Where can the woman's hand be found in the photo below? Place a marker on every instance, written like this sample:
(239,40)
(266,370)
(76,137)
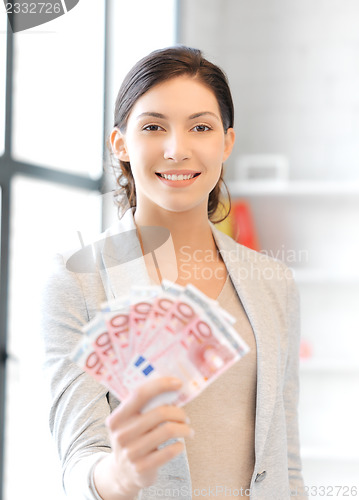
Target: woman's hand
(135,438)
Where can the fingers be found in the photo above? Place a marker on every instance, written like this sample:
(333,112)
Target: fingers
(146,468)
(144,423)
(140,397)
(149,442)
(156,459)
(135,436)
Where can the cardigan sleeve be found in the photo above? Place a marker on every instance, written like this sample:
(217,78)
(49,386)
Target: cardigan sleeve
(79,405)
(291,390)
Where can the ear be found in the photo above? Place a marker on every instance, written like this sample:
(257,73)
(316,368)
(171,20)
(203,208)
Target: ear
(229,138)
(118,144)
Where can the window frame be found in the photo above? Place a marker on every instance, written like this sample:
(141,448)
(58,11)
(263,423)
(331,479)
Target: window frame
(9,169)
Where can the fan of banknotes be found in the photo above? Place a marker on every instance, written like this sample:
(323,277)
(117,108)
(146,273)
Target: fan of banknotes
(158,331)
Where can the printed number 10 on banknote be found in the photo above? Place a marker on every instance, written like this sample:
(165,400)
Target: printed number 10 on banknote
(156,332)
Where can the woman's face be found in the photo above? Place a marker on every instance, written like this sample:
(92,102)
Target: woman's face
(176,145)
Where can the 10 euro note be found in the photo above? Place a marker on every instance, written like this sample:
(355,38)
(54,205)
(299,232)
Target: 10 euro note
(169,331)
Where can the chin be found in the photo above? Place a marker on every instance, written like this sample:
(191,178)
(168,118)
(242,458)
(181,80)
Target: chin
(175,203)
(183,207)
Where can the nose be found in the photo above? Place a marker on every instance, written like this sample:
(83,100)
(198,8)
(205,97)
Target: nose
(176,147)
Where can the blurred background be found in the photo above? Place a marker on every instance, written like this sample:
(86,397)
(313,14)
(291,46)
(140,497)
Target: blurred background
(293,177)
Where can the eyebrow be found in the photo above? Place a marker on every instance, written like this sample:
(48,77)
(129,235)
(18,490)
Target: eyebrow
(164,117)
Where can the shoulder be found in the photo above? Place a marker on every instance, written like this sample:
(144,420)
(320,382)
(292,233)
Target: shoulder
(82,276)
(75,273)
(268,279)
(235,252)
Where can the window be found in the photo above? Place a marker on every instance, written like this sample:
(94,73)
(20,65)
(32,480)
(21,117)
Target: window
(42,223)
(64,77)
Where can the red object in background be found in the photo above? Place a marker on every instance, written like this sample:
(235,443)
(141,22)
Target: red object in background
(244,229)
(306,349)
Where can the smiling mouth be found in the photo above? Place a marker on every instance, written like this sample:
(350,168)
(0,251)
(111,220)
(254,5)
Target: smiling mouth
(175,177)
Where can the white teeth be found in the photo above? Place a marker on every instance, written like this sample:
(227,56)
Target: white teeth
(175,177)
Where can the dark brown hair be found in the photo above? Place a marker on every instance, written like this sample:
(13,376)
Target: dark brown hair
(157,67)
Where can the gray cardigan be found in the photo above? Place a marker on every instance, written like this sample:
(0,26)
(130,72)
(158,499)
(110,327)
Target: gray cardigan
(80,405)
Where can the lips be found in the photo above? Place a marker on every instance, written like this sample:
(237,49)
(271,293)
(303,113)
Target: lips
(178,178)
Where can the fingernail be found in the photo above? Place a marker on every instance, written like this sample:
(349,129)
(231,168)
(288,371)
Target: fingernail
(188,420)
(191,433)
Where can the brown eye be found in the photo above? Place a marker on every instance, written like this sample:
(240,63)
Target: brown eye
(152,128)
(201,128)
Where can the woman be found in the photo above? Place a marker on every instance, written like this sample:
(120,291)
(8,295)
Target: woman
(173,131)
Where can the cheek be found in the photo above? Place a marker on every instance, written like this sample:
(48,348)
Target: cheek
(214,161)
(213,157)
(214,149)
(142,153)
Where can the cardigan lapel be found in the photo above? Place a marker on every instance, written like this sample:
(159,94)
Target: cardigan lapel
(247,279)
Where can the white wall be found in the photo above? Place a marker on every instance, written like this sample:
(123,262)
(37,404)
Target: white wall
(294,70)
(293,66)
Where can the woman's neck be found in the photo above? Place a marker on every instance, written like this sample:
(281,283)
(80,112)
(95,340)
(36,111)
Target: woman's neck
(189,256)
(190,229)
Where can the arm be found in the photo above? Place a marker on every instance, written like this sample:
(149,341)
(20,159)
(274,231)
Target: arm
(114,460)
(79,404)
